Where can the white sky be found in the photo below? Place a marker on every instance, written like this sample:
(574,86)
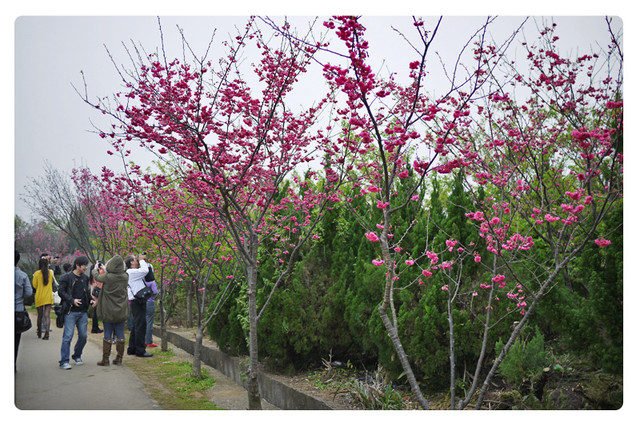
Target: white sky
(50,42)
(53,123)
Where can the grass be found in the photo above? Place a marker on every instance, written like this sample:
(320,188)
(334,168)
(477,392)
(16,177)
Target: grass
(170,381)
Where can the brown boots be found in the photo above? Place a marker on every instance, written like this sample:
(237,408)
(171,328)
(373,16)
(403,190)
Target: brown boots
(106,352)
(119,351)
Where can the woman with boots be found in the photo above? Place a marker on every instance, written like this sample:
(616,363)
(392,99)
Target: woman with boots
(43,284)
(113,307)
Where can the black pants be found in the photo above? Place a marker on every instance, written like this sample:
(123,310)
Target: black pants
(136,338)
(17,344)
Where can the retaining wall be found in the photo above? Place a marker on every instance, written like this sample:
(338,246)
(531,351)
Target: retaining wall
(271,389)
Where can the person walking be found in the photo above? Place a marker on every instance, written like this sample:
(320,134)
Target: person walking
(22,288)
(137,269)
(75,294)
(150,281)
(43,284)
(112,307)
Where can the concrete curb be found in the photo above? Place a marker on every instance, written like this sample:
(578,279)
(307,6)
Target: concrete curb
(272,390)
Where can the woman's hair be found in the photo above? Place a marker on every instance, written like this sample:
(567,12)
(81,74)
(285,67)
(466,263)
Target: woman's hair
(91,279)
(43,266)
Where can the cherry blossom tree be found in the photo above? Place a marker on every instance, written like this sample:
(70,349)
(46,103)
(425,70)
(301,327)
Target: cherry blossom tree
(543,184)
(551,166)
(181,230)
(232,148)
(103,211)
(393,132)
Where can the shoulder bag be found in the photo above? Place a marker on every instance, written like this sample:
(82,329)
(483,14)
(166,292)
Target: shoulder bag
(23,322)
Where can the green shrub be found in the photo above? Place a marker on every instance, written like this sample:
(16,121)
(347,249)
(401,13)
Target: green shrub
(524,359)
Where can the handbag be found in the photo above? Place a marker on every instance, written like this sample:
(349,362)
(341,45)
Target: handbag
(56,298)
(23,322)
(96,292)
(61,311)
(144,294)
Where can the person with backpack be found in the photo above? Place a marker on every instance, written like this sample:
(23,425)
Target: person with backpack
(76,298)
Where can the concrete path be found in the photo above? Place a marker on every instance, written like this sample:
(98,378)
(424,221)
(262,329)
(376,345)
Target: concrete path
(41,384)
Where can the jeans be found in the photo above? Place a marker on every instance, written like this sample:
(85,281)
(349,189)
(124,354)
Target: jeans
(113,330)
(72,320)
(136,337)
(151,310)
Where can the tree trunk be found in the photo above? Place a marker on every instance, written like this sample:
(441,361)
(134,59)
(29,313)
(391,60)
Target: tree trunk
(506,348)
(252,375)
(390,326)
(197,347)
(190,306)
(163,326)
(452,361)
(483,350)
(404,360)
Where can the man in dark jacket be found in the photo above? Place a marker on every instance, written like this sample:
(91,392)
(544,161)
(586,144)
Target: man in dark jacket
(75,294)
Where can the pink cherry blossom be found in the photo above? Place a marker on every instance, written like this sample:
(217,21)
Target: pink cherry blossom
(551,218)
(602,242)
(373,237)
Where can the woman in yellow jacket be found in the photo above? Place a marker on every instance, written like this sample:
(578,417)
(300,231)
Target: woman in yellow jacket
(43,284)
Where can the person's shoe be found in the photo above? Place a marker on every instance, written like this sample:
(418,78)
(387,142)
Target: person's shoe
(65,366)
(145,354)
(106,352)
(119,351)
(130,351)
(152,345)
(78,361)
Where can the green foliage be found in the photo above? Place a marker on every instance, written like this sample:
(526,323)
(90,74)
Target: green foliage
(524,359)
(329,302)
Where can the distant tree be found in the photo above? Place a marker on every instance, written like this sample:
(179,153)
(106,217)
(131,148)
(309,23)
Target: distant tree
(54,198)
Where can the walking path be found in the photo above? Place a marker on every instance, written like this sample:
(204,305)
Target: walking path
(41,384)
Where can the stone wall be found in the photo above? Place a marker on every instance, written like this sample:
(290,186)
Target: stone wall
(271,389)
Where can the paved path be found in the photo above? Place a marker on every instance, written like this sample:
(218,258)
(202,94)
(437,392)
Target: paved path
(41,384)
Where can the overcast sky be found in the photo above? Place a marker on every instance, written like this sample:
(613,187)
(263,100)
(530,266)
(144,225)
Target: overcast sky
(52,122)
